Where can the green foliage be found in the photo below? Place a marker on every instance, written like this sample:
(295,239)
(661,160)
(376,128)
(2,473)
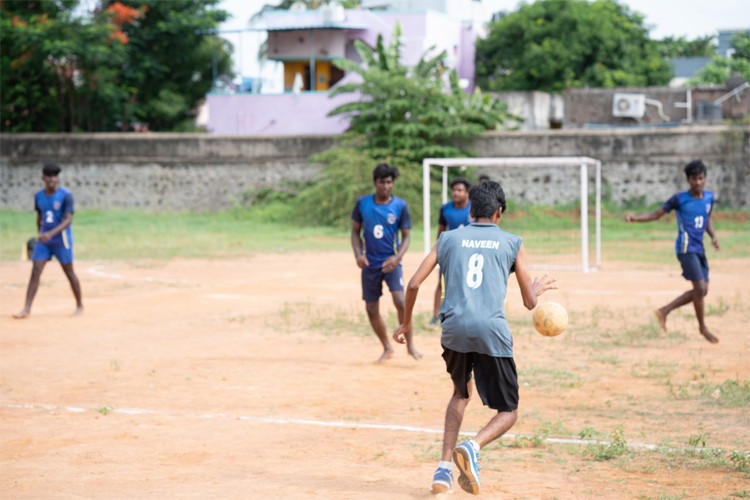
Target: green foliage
(411,112)
(721,67)
(682,47)
(552,45)
(616,447)
(347,175)
(402,116)
(62,70)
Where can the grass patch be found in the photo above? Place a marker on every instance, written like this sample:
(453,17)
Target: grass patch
(548,378)
(269,227)
(732,393)
(616,447)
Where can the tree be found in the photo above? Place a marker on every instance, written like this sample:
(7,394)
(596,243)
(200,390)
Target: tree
(63,70)
(670,47)
(552,45)
(721,68)
(401,116)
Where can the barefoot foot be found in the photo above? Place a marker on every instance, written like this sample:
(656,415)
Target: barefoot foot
(709,336)
(78,311)
(662,319)
(22,315)
(387,354)
(414,353)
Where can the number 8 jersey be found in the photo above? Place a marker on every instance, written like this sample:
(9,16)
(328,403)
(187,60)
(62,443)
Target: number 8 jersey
(51,209)
(476,261)
(692,218)
(380,225)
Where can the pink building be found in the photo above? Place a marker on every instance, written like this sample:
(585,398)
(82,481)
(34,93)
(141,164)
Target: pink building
(307,42)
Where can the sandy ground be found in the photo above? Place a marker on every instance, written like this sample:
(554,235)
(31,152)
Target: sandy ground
(254,378)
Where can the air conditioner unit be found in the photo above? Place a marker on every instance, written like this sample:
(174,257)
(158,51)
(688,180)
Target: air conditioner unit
(629,105)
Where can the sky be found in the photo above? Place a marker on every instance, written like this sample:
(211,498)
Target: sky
(688,18)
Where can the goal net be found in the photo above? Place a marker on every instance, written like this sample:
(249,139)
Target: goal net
(556,238)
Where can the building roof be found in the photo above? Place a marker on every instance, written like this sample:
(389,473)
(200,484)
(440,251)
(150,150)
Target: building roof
(287,20)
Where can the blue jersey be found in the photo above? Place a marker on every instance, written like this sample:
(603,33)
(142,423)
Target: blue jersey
(51,209)
(381,224)
(692,218)
(453,218)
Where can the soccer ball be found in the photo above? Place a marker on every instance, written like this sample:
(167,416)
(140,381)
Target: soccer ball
(550,319)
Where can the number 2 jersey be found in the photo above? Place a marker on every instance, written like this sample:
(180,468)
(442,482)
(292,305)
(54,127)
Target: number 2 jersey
(381,224)
(692,218)
(476,261)
(51,209)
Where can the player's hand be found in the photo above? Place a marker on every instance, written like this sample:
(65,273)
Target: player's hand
(541,285)
(399,334)
(715,242)
(629,217)
(44,237)
(362,261)
(390,264)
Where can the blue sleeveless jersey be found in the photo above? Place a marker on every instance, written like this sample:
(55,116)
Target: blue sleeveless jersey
(51,208)
(453,218)
(381,224)
(476,261)
(692,218)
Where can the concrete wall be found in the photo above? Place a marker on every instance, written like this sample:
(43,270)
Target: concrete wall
(594,106)
(200,172)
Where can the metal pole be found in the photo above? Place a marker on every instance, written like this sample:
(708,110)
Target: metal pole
(584,218)
(598,213)
(444,192)
(426,204)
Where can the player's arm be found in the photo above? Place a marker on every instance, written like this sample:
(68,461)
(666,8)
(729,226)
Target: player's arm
(441,230)
(712,234)
(412,290)
(38,221)
(645,217)
(358,246)
(530,289)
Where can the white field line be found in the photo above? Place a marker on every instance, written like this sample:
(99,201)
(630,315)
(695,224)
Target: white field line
(339,425)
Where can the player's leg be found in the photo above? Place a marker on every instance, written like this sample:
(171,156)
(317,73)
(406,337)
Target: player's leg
(692,270)
(75,285)
(700,290)
(33,287)
(497,385)
(459,366)
(372,289)
(395,281)
(64,253)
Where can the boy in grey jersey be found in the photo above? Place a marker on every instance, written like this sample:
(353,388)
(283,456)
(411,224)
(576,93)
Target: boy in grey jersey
(476,261)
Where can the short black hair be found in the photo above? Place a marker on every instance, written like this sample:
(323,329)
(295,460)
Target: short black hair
(696,167)
(461,180)
(51,170)
(484,178)
(384,170)
(486,198)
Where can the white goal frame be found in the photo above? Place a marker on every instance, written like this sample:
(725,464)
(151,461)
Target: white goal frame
(522,161)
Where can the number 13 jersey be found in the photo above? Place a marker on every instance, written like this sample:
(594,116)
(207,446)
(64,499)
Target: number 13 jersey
(476,261)
(692,218)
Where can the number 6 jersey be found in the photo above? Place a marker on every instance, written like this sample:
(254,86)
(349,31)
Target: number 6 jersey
(692,218)
(380,225)
(476,261)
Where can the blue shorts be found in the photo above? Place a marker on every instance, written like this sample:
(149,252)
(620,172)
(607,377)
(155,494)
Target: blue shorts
(694,266)
(372,282)
(61,248)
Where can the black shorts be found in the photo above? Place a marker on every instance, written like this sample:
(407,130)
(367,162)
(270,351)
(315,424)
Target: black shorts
(694,266)
(496,378)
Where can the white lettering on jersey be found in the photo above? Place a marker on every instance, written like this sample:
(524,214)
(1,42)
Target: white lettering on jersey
(494,245)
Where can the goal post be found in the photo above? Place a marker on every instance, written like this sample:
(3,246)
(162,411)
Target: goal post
(581,162)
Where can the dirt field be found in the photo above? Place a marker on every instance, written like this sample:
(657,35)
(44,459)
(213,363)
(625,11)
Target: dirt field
(254,379)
